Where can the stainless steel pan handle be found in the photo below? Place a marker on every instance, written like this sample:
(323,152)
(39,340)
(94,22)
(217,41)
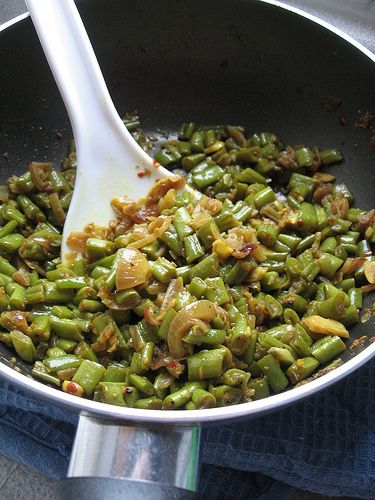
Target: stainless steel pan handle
(157,459)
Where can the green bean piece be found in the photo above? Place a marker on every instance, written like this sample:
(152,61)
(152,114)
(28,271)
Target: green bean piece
(282,355)
(260,388)
(267,234)
(301,369)
(140,308)
(234,377)
(273,307)
(350,316)
(111,393)
(290,240)
(226,395)
(206,268)
(327,348)
(105,262)
(88,375)
(216,291)
(162,383)
(197,141)
(310,271)
(141,361)
(329,245)
(263,197)
(206,364)
(197,287)
(53,295)
(249,175)
(30,209)
(97,249)
(57,363)
(17,299)
(40,329)
(165,157)
(11,242)
(305,243)
(151,403)
(93,306)
(6,268)
(192,160)
(299,343)
(183,148)
(270,281)
(62,312)
(71,283)
(332,307)
(164,326)
(116,372)
(183,299)
(99,271)
(329,264)
(329,156)
(208,176)
(142,384)
(180,219)
(66,328)
(206,232)
(84,351)
(211,337)
(23,345)
(270,368)
(66,345)
(12,213)
(163,270)
(193,248)
(180,397)
(240,336)
(355,297)
(170,238)
(128,298)
(41,372)
(203,399)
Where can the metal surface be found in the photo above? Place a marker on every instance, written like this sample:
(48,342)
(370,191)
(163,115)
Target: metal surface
(167,456)
(253,63)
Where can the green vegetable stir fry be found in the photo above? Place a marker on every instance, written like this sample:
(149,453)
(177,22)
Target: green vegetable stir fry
(186,303)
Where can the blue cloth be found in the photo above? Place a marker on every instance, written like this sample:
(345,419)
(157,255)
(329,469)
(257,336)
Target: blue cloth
(325,443)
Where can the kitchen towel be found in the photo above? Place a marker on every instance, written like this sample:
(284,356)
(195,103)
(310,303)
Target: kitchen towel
(325,443)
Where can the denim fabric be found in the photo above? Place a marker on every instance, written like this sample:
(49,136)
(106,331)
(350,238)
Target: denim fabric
(324,444)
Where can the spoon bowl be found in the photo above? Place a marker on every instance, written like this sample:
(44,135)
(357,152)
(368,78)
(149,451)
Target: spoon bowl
(109,161)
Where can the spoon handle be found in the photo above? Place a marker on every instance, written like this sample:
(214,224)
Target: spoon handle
(74,65)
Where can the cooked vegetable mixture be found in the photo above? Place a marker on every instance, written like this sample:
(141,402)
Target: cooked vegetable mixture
(188,302)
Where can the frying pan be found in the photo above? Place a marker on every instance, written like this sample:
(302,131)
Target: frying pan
(245,61)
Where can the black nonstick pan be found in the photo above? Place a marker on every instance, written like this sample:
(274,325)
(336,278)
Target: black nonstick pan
(240,61)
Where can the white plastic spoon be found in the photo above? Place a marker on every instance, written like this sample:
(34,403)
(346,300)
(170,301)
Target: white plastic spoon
(108,158)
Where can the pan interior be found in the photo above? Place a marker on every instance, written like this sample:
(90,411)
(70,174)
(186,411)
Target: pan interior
(243,62)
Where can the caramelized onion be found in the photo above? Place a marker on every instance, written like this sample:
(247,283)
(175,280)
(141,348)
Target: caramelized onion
(56,207)
(162,186)
(351,265)
(39,175)
(132,270)
(204,310)
(77,240)
(367,218)
(164,223)
(369,270)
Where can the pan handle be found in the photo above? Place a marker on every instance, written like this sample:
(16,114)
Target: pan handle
(102,488)
(159,458)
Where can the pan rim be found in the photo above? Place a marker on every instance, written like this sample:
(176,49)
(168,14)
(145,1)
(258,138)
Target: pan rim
(330,27)
(214,415)
(188,417)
